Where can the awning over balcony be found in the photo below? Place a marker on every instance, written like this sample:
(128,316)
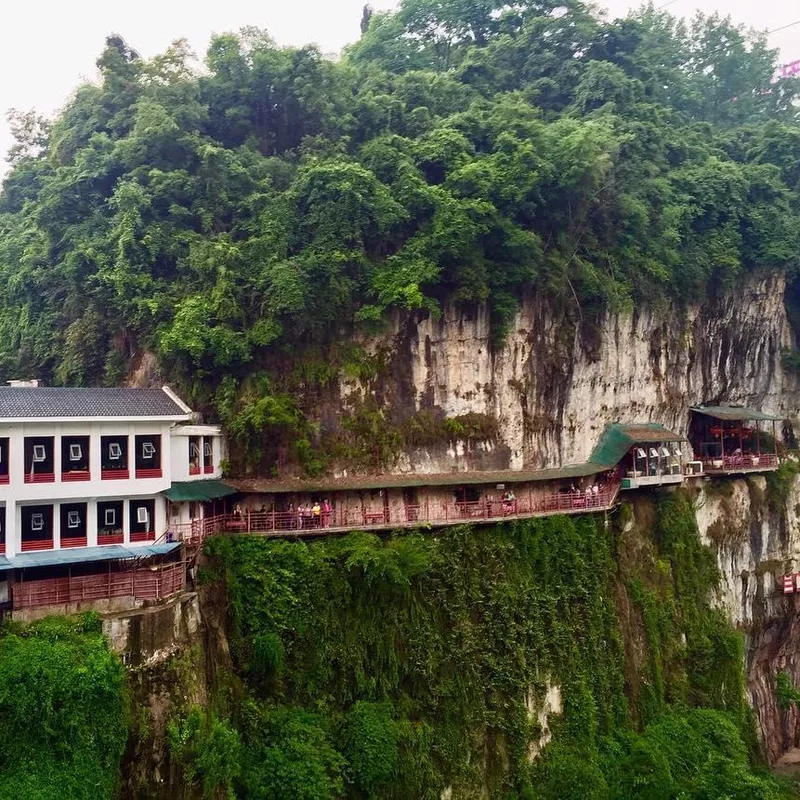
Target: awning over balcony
(83,555)
(618,439)
(734,413)
(198,491)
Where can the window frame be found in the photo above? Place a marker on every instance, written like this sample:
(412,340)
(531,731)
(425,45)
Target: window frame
(73,519)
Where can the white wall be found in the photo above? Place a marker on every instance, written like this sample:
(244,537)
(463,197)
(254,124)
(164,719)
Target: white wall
(18,493)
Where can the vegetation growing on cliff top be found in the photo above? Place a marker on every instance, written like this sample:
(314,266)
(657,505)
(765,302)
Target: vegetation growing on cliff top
(63,711)
(228,220)
(398,668)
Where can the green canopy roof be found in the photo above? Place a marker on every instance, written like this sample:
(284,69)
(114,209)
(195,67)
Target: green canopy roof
(617,440)
(734,413)
(198,491)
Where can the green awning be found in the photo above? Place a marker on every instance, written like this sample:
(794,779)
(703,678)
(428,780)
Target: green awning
(735,413)
(198,491)
(617,440)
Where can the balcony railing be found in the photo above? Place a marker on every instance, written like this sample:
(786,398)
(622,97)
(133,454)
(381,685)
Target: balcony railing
(110,538)
(194,469)
(340,519)
(76,475)
(143,536)
(741,462)
(149,473)
(141,584)
(2,548)
(4,479)
(208,469)
(40,477)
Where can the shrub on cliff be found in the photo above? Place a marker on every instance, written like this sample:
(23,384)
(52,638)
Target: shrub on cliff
(63,711)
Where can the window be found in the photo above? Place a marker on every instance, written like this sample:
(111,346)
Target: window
(141,515)
(114,451)
(39,453)
(37,522)
(207,449)
(665,452)
(110,517)
(194,450)
(75,452)
(677,450)
(148,450)
(640,453)
(653,452)
(73,519)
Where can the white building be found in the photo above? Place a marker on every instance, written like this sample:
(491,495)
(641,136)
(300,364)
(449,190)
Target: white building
(92,467)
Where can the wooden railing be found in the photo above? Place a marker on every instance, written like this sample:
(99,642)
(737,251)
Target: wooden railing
(142,584)
(736,462)
(408,516)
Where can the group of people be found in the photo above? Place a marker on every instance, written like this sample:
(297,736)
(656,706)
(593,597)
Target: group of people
(311,515)
(305,516)
(509,501)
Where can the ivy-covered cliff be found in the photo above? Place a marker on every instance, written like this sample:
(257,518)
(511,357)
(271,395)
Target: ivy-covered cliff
(550,659)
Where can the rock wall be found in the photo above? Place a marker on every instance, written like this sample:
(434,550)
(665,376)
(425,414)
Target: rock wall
(558,380)
(755,533)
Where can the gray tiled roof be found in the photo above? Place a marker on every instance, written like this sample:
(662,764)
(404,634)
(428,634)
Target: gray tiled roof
(45,402)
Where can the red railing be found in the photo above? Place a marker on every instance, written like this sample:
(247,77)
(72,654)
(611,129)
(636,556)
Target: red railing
(115,474)
(41,477)
(36,544)
(341,518)
(143,536)
(76,475)
(5,478)
(208,469)
(149,473)
(74,541)
(110,538)
(733,463)
(194,469)
(2,548)
(142,584)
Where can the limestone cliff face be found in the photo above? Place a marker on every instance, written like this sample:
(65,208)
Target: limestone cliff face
(756,537)
(556,381)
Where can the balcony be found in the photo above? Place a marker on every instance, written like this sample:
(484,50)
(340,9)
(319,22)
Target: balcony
(149,473)
(115,474)
(41,477)
(76,475)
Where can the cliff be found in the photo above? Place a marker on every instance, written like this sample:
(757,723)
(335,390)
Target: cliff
(557,380)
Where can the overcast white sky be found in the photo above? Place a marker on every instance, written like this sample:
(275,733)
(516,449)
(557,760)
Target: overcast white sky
(48,47)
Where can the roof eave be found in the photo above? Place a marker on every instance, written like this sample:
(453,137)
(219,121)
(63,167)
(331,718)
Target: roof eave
(88,419)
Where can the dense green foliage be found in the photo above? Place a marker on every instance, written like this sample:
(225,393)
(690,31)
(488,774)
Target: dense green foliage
(239,221)
(63,713)
(399,667)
